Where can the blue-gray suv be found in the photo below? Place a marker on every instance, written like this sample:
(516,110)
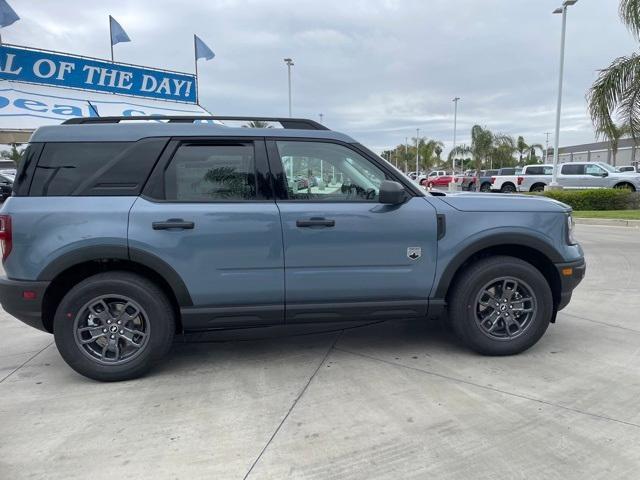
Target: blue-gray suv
(121,234)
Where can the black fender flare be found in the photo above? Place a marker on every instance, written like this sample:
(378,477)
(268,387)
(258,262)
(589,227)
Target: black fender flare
(120,252)
(496,239)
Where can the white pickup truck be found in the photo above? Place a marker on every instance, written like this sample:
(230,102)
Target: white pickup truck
(577,175)
(506,181)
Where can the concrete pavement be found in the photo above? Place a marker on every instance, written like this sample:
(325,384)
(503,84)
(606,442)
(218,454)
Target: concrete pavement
(391,400)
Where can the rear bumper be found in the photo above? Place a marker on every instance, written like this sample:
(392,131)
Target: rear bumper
(571,274)
(14,302)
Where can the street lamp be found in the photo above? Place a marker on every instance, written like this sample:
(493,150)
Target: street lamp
(455,131)
(563,11)
(289,63)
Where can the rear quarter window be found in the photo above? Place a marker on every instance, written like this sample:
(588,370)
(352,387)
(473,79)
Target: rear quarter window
(95,168)
(63,166)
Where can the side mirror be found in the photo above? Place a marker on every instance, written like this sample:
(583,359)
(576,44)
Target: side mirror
(605,174)
(392,193)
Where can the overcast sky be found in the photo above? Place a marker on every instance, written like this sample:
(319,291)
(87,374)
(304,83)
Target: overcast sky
(376,69)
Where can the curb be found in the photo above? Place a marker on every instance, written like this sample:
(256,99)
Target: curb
(611,222)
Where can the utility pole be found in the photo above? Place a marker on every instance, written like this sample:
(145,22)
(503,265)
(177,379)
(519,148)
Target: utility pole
(455,132)
(321,117)
(406,154)
(546,150)
(289,63)
(417,155)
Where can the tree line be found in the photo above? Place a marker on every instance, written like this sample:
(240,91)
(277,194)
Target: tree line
(487,150)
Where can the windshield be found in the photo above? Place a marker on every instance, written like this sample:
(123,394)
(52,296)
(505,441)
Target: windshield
(608,167)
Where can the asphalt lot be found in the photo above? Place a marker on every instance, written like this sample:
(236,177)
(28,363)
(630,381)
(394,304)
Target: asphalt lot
(393,400)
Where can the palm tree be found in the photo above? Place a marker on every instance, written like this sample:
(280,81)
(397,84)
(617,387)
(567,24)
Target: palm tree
(521,147)
(532,152)
(257,124)
(616,91)
(14,154)
(614,133)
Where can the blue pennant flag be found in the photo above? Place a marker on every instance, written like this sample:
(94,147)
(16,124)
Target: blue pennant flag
(7,15)
(117,32)
(202,51)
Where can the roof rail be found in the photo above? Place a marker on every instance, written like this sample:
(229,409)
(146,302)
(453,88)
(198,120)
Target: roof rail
(288,123)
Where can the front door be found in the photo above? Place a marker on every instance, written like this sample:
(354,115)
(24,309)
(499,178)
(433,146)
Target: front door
(208,213)
(347,256)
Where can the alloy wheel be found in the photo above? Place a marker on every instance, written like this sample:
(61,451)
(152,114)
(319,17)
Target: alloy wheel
(505,308)
(111,329)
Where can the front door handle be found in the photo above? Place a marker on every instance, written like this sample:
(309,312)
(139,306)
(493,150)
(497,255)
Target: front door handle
(315,222)
(177,223)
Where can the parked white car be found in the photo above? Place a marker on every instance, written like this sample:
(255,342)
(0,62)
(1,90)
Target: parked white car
(579,175)
(506,181)
(629,168)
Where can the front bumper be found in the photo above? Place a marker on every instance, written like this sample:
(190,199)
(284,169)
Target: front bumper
(28,310)
(571,274)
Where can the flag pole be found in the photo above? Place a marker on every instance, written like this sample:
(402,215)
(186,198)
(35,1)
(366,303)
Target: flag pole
(111,39)
(195,61)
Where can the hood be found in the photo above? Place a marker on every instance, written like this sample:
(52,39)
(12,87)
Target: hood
(498,202)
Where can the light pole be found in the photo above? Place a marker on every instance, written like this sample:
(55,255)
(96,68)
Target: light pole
(289,63)
(417,156)
(321,115)
(455,132)
(563,11)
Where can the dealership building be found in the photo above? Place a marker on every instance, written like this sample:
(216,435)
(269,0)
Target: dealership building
(628,153)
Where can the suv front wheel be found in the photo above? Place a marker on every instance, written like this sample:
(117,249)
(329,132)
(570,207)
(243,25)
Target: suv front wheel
(114,326)
(501,306)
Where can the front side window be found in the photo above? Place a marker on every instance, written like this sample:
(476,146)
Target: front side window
(595,170)
(209,173)
(328,172)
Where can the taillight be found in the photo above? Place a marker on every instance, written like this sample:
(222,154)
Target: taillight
(6,237)
(520,179)
(493,180)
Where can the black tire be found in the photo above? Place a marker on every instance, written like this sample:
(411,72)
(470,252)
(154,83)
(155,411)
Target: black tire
(155,313)
(508,188)
(485,187)
(625,185)
(472,187)
(538,187)
(463,305)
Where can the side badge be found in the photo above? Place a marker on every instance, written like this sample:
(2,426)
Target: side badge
(414,253)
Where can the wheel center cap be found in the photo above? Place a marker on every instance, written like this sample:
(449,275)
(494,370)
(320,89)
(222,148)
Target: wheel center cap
(503,307)
(113,328)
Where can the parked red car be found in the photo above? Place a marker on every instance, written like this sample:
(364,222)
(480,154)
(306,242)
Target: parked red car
(439,180)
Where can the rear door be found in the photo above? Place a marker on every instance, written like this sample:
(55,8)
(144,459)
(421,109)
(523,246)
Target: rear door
(572,175)
(347,256)
(209,213)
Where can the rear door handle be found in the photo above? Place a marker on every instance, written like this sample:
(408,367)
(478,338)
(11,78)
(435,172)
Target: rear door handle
(315,222)
(177,223)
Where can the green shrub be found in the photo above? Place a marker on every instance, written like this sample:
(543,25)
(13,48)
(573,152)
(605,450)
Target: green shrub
(595,199)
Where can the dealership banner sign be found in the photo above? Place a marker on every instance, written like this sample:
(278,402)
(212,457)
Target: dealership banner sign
(21,64)
(29,106)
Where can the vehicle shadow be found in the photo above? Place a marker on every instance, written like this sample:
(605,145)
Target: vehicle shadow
(272,345)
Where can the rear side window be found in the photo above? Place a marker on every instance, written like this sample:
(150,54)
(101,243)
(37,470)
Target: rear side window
(539,170)
(209,173)
(508,171)
(64,166)
(573,169)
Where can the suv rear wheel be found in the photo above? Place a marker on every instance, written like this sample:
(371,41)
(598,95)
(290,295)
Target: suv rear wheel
(114,326)
(501,306)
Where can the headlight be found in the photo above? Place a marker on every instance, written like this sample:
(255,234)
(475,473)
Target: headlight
(570,227)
